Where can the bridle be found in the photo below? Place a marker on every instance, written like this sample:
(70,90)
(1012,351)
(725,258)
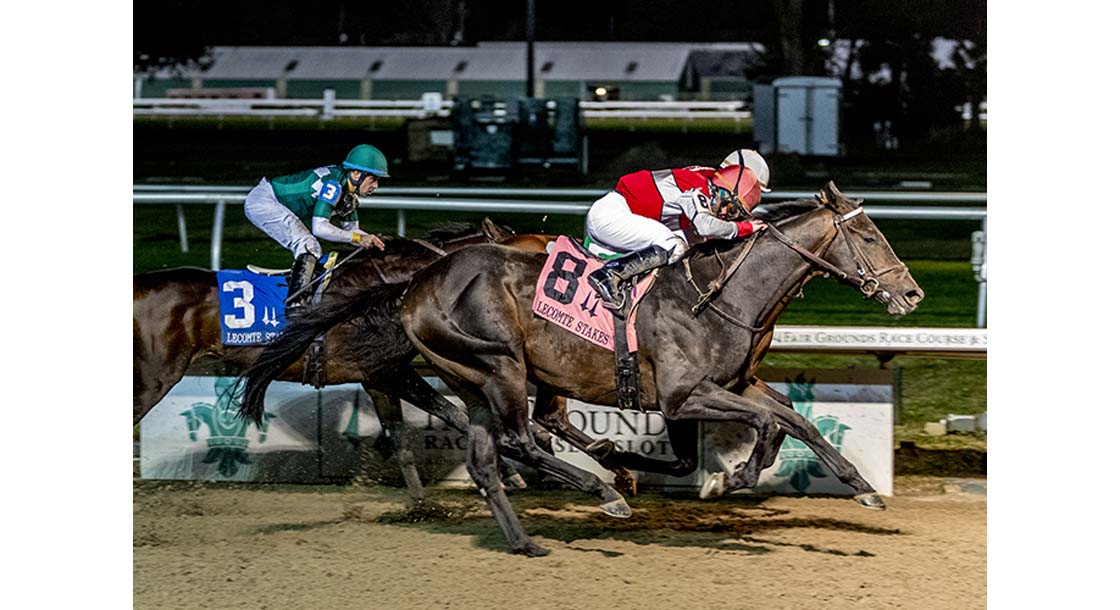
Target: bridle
(866,278)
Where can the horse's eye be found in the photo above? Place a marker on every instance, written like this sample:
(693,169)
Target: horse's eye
(869,239)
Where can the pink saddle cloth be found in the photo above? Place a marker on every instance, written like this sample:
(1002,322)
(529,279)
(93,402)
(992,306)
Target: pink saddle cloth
(565,298)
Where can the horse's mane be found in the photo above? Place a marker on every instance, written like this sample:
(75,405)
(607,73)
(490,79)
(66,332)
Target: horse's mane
(451,230)
(439,237)
(777,212)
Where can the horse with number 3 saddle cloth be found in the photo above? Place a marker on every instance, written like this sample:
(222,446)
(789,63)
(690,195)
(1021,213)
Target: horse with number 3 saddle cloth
(564,297)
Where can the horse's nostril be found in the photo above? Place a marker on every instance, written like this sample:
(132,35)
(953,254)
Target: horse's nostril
(914,295)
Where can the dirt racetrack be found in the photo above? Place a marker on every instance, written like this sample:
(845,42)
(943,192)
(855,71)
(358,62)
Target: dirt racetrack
(277,547)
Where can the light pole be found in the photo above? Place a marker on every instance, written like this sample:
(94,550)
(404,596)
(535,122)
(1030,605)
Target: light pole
(530,33)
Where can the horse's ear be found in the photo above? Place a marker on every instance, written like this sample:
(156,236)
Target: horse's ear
(831,196)
(827,195)
(493,232)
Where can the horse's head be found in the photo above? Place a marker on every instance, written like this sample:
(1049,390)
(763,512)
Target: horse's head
(861,251)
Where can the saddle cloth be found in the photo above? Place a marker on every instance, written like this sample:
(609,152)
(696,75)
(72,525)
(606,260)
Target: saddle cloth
(565,298)
(251,306)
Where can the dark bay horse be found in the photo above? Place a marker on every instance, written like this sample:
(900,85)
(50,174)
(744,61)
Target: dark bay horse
(175,322)
(470,315)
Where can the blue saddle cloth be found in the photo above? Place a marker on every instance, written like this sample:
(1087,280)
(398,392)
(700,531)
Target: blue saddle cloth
(252,306)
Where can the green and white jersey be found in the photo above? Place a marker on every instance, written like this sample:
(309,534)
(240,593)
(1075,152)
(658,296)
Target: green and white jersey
(316,193)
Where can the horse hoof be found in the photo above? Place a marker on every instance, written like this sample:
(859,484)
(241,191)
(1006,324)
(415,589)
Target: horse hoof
(625,483)
(871,500)
(714,486)
(617,508)
(514,481)
(600,449)
(530,550)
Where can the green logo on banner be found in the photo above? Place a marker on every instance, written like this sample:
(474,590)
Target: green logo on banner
(799,463)
(227,444)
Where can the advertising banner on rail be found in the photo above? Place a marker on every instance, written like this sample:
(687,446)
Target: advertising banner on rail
(334,434)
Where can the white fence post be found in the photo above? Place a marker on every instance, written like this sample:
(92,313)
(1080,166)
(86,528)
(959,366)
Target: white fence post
(328,104)
(980,269)
(182,218)
(216,235)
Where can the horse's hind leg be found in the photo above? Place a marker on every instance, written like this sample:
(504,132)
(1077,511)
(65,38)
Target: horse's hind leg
(506,393)
(404,382)
(394,431)
(482,465)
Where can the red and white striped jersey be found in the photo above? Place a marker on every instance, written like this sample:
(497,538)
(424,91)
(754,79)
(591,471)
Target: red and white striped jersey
(664,196)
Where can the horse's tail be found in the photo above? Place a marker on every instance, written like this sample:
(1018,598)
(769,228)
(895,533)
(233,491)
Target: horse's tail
(379,303)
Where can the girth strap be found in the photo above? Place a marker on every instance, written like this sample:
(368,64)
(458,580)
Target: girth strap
(627,374)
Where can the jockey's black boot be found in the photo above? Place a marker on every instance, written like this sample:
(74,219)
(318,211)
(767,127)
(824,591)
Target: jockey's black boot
(610,279)
(303,271)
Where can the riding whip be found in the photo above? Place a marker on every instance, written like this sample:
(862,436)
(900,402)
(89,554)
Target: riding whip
(322,275)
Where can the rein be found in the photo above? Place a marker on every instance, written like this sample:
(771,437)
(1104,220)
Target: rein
(427,244)
(717,284)
(440,251)
(869,286)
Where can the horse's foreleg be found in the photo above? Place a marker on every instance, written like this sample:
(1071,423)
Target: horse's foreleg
(506,393)
(406,383)
(769,451)
(551,412)
(682,438)
(708,401)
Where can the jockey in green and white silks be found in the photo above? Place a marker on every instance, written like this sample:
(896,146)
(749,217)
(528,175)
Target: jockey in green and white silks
(299,209)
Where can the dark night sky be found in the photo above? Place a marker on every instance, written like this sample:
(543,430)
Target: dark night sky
(184,27)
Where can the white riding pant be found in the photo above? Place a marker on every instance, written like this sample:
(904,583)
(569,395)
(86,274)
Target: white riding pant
(614,229)
(278,222)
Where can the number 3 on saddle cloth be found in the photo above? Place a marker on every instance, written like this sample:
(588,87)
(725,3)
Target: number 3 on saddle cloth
(565,298)
(252,310)
(251,306)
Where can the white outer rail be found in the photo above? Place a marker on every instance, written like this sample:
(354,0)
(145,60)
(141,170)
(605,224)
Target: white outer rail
(403,199)
(329,107)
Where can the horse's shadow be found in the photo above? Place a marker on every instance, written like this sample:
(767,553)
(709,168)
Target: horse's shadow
(737,524)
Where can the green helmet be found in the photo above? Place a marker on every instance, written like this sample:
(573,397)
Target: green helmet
(366,158)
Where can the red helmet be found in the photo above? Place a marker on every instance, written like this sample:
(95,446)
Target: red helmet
(736,185)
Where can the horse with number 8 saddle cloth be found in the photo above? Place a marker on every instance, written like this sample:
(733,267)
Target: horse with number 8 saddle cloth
(564,297)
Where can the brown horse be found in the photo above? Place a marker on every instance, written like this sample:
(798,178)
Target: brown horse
(470,315)
(175,322)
